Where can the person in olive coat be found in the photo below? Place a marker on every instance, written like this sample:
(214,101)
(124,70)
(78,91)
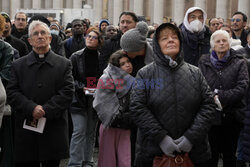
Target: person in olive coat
(41,86)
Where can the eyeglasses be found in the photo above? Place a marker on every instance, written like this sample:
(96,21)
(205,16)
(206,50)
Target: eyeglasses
(20,19)
(237,20)
(91,37)
(36,33)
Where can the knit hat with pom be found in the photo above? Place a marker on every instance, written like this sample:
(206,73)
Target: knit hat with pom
(134,40)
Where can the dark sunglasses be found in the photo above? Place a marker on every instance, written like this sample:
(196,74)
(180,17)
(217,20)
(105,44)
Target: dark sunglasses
(91,37)
(237,20)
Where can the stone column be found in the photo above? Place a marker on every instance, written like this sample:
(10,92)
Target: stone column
(48,4)
(200,3)
(111,11)
(243,6)
(77,4)
(57,4)
(36,4)
(157,11)
(14,5)
(97,6)
(27,4)
(178,11)
(137,6)
(118,7)
(221,8)
(69,4)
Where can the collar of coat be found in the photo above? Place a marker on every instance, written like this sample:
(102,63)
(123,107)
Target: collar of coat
(48,59)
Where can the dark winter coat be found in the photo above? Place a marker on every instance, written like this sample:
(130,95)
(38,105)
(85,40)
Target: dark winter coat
(73,44)
(109,47)
(172,101)
(81,101)
(18,45)
(50,84)
(56,44)
(243,37)
(195,45)
(245,52)
(17,34)
(232,83)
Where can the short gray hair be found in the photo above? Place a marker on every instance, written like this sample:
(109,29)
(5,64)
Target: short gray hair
(36,23)
(220,32)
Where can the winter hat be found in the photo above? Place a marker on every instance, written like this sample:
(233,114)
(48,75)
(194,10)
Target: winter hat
(6,16)
(134,40)
(40,18)
(55,25)
(103,21)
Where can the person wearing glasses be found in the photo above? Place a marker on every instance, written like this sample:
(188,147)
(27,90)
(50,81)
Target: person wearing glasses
(41,87)
(20,27)
(86,72)
(214,25)
(238,23)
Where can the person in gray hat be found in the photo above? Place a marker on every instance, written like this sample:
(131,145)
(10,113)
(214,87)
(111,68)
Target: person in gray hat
(135,43)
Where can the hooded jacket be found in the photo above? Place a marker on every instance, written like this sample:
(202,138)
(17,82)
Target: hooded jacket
(172,101)
(194,43)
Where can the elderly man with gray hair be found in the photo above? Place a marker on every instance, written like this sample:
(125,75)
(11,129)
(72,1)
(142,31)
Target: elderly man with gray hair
(40,88)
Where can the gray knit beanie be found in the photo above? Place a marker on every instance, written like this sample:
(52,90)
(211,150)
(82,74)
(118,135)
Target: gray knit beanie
(134,40)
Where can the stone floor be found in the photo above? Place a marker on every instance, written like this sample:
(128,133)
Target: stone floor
(64,162)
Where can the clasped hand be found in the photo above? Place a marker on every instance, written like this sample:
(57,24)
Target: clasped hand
(169,146)
(38,112)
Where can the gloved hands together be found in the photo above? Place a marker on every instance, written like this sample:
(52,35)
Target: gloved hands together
(168,146)
(183,144)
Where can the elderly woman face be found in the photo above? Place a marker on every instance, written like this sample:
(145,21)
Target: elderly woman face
(221,43)
(169,42)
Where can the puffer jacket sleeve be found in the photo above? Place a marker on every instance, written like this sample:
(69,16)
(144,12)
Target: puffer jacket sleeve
(233,95)
(141,114)
(203,120)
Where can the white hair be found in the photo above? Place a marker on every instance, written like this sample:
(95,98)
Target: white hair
(36,23)
(220,32)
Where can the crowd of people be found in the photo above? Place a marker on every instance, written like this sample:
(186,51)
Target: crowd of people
(149,90)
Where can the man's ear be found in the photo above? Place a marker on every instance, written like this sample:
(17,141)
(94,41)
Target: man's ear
(50,37)
(30,41)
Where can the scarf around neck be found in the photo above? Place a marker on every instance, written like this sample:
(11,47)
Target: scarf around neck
(219,64)
(114,84)
(192,39)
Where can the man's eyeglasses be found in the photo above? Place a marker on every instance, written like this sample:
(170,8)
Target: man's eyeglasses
(36,33)
(91,37)
(237,20)
(20,19)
